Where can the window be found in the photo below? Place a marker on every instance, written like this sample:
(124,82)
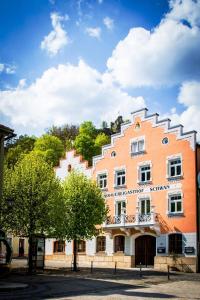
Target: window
(59,246)
(120,208)
(145,173)
(175,203)
(119,243)
(102,180)
(120,178)
(175,167)
(165,141)
(137,146)
(145,206)
(113,154)
(101,243)
(81,246)
(175,243)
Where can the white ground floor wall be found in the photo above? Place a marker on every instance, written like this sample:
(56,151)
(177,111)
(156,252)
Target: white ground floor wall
(127,258)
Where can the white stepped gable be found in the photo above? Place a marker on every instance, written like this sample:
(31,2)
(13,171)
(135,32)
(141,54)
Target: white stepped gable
(178,130)
(76,162)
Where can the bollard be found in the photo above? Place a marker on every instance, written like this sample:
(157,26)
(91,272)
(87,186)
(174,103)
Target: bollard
(140,269)
(91,269)
(168,274)
(115,271)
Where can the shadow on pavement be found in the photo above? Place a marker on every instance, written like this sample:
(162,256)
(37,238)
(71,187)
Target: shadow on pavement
(55,286)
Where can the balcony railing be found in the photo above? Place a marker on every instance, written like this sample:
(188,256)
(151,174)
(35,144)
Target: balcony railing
(131,220)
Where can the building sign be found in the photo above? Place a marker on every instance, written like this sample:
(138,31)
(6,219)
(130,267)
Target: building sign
(148,189)
(161,250)
(189,250)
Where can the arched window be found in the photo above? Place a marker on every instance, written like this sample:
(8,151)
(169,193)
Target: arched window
(101,243)
(119,243)
(175,243)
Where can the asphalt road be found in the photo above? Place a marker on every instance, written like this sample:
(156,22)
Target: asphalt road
(101,284)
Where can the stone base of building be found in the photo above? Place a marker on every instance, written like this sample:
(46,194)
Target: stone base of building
(123,261)
(183,264)
(161,263)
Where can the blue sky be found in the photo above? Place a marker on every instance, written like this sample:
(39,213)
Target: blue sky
(67,61)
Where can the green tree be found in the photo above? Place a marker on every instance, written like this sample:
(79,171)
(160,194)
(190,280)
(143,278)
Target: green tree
(101,140)
(88,128)
(50,148)
(18,148)
(32,200)
(85,208)
(85,141)
(85,145)
(66,133)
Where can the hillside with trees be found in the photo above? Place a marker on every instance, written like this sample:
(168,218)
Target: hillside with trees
(86,139)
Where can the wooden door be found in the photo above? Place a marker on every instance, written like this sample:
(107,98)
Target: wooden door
(21,247)
(145,250)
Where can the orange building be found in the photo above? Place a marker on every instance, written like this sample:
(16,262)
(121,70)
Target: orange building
(148,177)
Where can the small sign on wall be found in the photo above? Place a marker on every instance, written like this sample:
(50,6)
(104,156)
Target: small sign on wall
(161,250)
(189,250)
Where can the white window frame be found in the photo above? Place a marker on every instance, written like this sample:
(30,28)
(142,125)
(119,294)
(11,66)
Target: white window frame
(116,177)
(169,160)
(145,172)
(137,141)
(103,180)
(140,205)
(117,201)
(143,164)
(170,195)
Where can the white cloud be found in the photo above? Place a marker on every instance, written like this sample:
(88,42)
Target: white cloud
(66,94)
(7,69)
(189,97)
(185,10)
(100,1)
(108,22)
(167,55)
(57,38)
(94,32)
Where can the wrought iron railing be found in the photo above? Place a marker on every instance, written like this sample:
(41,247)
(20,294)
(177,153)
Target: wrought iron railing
(143,218)
(135,219)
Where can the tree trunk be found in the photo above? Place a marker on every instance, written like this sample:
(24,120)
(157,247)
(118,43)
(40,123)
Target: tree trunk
(30,254)
(75,256)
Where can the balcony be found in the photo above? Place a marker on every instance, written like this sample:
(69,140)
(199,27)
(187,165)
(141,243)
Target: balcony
(131,221)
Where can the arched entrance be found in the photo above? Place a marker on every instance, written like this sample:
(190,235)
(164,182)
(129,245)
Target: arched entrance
(145,250)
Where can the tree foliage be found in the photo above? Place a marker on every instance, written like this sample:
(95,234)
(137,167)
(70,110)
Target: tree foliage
(32,198)
(85,207)
(66,133)
(50,148)
(101,140)
(18,148)
(88,142)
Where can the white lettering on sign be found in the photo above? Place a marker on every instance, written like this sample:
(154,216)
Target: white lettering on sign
(149,189)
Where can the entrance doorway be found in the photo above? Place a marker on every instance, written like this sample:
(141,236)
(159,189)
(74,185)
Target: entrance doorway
(145,250)
(21,247)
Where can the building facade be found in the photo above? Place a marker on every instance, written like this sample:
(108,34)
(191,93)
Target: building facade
(148,177)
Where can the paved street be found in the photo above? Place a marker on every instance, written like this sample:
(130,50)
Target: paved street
(101,284)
